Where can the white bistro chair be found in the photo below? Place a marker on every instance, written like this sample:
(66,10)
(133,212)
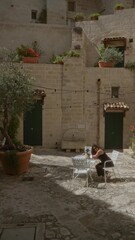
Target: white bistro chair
(114,158)
(81,166)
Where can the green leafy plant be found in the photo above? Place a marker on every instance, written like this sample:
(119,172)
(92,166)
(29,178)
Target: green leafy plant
(109,54)
(79,17)
(130,65)
(119,6)
(72,53)
(16,97)
(59,58)
(94,16)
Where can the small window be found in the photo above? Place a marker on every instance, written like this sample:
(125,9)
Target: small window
(34,14)
(115,92)
(71,6)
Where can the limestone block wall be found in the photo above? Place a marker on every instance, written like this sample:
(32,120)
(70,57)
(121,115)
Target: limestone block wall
(70,111)
(48,77)
(17,11)
(51,39)
(110,77)
(56,12)
(73,123)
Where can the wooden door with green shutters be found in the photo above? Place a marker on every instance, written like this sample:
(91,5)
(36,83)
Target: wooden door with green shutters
(32,127)
(114,130)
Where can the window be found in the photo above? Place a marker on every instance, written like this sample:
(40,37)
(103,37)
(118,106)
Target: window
(34,14)
(71,6)
(115,92)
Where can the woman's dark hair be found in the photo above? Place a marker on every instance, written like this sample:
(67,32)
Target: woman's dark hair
(94,146)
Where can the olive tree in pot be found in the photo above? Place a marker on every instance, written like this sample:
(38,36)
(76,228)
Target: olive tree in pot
(16,97)
(109,56)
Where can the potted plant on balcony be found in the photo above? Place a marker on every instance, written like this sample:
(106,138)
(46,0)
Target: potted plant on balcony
(27,54)
(119,6)
(79,17)
(16,97)
(94,16)
(109,56)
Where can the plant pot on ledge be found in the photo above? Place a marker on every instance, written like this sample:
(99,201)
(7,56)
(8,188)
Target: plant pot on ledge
(30,59)
(105,64)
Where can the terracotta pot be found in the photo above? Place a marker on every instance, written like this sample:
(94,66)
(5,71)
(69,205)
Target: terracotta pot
(30,59)
(119,8)
(105,64)
(15,163)
(94,18)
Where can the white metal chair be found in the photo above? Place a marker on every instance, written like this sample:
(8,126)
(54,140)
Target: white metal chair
(114,158)
(81,166)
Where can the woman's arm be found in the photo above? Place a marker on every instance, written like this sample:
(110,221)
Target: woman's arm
(99,152)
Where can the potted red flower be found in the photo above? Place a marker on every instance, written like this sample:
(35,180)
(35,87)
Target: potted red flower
(28,54)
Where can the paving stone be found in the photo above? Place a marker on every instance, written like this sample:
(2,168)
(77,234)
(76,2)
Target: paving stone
(18,234)
(58,207)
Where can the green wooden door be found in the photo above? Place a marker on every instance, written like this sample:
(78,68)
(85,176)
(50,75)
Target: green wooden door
(33,125)
(114,130)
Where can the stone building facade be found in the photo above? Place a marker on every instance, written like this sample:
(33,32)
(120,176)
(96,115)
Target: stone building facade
(84,104)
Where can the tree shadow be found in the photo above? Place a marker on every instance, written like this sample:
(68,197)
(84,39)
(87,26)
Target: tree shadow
(53,192)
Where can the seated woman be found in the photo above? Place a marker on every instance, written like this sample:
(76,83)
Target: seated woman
(99,153)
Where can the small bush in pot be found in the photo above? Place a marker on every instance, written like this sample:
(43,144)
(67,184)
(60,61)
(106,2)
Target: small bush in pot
(119,6)
(130,65)
(79,17)
(109,55)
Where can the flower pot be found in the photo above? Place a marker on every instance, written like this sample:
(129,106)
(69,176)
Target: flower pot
(15,163)
(94,18)
(105,64)
(30,59)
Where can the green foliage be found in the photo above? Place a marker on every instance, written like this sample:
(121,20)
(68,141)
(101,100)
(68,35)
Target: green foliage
(130,65)
(72,53)
(16,97)
(13,127)
(79,17)
(59,58)
(110,54)
(119,6)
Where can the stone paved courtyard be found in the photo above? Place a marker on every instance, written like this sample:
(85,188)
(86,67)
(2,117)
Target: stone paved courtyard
(48,195)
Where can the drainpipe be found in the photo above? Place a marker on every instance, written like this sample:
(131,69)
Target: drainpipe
(98,111)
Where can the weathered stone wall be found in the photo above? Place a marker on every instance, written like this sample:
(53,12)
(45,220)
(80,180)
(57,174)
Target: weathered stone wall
(114,25)
(56,12)
(51,39)
(70,108)
(17,11)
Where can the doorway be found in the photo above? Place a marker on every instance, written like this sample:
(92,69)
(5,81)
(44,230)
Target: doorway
(114,130)
(32,125)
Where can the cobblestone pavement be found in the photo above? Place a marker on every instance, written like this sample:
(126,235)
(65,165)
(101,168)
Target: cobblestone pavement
(47,194)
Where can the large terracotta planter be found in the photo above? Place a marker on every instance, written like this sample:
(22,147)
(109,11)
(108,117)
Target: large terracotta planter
(15,163)
(105,64)
(30,59)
